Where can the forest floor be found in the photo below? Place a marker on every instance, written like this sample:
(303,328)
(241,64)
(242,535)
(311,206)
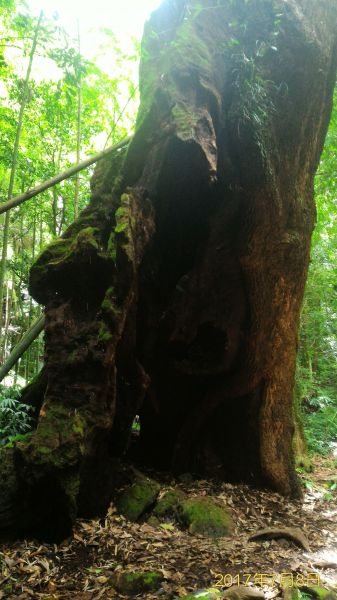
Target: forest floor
(81,568)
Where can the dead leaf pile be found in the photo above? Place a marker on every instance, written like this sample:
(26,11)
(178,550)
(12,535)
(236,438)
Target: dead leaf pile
(82,567)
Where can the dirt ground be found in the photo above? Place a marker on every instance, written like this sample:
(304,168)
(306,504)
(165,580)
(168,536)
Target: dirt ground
(81,568)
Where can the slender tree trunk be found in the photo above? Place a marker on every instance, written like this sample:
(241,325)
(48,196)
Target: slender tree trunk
(16,372)
(79,117)
(21,347)
(30,309)
(63,215)
(7,317)
(3,268)
(17,250)
(14,164)
(54,199)
(176,294)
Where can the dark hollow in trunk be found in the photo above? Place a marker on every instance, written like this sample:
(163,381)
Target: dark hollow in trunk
(176,295)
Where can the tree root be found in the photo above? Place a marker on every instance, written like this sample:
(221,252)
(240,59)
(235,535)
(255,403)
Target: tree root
(290,533)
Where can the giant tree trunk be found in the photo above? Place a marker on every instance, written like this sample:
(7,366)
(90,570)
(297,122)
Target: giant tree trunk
(176,295)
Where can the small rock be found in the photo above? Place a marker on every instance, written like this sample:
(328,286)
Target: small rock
(132,584)
(136,499)
(207,594)
(204,517)
(292,593)
(186,478)
(153,521)
(169,505)
(243,592)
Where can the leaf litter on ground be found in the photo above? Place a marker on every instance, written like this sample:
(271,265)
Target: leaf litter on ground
(82,568)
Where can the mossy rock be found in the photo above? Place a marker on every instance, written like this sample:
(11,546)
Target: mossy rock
(153,521)
(132,584)
(318,592)
(138,498)
(244,592)
(204,517)
(186,478)
(169,506)
(292,593)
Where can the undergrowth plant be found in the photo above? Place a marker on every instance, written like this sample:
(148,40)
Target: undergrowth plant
(15,417)
(253,91)
(320,424)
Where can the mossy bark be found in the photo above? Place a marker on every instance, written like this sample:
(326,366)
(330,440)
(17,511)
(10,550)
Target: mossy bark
(176,295)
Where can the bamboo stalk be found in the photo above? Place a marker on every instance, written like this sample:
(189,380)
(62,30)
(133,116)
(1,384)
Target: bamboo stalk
(61,176)
(14,163)
(27,339)
(79,123)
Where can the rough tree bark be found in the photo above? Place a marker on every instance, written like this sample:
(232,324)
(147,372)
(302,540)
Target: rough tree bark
(176,295)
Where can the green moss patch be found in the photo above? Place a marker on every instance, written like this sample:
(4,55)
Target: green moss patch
(204,517)
(58,436)
(86,237)
(138,498)
(292,593)
(318,593)
(132,584)
(201,516)
(104,334)
(109,307)
(60,250)
(153,521)
(19,440)
(63,252)
(169,506)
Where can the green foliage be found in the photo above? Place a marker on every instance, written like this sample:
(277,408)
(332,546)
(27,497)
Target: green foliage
(136,499)
(9,392)
(317,357)
(330,494)
(320,424)
(253,103)
(120,227)
(15,417)
(252,36)
(136,425)
(48,145)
